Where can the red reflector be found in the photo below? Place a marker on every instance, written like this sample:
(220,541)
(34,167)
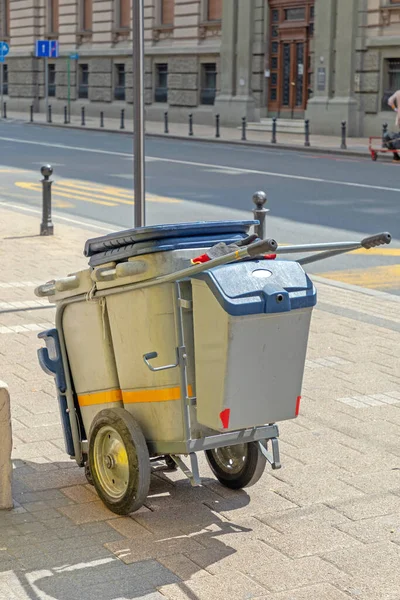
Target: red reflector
(298,405)
(225,416)
(200,259)
(270,256)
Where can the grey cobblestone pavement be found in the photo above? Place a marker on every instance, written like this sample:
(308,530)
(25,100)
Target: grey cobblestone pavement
(325,527)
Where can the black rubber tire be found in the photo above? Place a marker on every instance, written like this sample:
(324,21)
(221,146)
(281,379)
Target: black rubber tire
(171,464)
(138,460)
(252,470)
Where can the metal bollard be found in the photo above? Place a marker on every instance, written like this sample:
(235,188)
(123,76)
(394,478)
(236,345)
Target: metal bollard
(122,126)
(217,132)
(307,133)
(190,124)
(65,115)
(101,119)
(49,119)
(46,226)
(343,145)
(260,199)
(273,139)
(5,110)
(244,125)
(31,113)
(384,131)
(166,128)
(83,116)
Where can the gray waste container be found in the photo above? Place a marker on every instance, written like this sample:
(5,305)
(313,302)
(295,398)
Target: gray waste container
(251,325)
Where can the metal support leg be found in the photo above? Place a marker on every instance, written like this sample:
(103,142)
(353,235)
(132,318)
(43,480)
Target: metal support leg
(193,475)
(272,457)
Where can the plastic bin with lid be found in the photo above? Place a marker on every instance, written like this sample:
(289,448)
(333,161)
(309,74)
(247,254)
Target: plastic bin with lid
(251,326)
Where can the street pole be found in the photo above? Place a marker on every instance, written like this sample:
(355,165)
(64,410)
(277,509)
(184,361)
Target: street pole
(46,85)
(69,89)
(1,87)
(138,88)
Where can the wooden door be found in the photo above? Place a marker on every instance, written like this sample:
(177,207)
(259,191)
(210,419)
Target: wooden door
(288,61)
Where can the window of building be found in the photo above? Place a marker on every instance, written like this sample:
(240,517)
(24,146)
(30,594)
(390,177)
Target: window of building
(161,86)
(214,10)
(167,12)
(392,80)
(86,15)
(295,14)
(53,16)
(124,14)
(208,83)
(5,79)
(51,78)
(5,18)
(119,82)
(83,81)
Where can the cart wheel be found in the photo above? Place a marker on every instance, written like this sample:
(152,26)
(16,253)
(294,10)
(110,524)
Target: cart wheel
(171,464)
(119,461)
(374,156)
(237,466)
(88,474)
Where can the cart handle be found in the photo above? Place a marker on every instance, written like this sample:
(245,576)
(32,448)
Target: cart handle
(379,239)
(149,356)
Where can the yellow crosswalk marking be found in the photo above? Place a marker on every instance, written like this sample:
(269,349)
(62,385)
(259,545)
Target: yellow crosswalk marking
(95,194)
(379,251)
(385,277)
(36,187)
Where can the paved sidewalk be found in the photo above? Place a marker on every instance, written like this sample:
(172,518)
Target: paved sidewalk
(325,527)
(323,143)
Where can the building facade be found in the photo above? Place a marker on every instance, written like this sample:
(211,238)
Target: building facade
(327,60)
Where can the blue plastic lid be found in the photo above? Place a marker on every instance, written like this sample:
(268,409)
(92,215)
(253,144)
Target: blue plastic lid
(163,245)
(260,286)
(157,232)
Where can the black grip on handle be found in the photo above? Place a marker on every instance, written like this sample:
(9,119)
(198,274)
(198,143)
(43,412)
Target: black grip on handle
(263,247)
(151,355)
(379,239)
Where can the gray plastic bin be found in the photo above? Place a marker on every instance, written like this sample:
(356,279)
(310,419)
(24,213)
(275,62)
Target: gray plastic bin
(251,326)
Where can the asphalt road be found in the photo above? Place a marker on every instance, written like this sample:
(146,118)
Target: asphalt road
(312,198)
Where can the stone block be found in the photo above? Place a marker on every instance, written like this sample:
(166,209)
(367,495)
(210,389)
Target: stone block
(372,60)
(100,65)
(180,81)
(100,94)
(183,64)
(370,82)
(5,448)
(182,98)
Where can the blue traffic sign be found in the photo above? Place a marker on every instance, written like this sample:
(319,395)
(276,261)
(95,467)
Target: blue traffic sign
(4,49)
(74,56)
(46,49)
(2,58)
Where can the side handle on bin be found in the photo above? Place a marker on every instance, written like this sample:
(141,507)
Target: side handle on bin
(378,239)
(150,355)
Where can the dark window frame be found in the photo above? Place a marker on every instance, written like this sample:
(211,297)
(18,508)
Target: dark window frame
(83,86)
(208,93)
(51,80)
(120,81)
(161,83)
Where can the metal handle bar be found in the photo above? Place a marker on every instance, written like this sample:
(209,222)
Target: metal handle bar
(150,356)
(332,250)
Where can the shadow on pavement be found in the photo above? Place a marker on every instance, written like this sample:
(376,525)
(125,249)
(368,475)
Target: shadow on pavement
(61,543)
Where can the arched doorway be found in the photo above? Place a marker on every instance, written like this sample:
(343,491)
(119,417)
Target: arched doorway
(291,28)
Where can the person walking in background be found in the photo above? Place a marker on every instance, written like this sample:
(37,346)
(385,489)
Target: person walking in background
(394,103)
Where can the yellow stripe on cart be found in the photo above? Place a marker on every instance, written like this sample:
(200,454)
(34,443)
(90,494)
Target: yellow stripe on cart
(132,397)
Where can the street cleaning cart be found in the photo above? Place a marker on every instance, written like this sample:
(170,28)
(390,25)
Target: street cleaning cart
(179,339)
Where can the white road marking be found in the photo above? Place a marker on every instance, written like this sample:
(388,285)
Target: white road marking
(208,165)
(59,218)
(24,305)
(26,328)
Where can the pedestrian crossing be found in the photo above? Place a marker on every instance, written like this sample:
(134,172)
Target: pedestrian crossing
(67,192)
